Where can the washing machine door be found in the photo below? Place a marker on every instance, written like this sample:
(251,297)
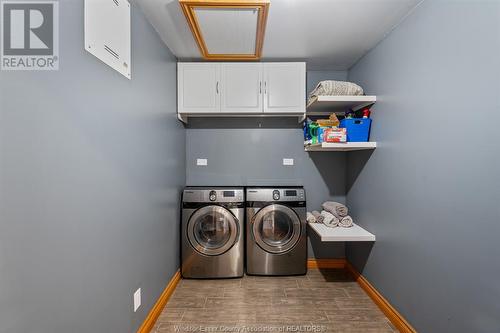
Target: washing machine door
(276,228)
(212,230)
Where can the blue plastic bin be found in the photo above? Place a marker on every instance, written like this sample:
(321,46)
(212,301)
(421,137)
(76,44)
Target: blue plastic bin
(358,129)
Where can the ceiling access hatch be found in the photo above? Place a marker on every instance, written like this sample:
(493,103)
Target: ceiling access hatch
(227,30)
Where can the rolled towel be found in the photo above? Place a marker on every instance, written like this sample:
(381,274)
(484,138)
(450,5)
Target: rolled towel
(335,208)
(318,216)
(310,218)
(330,220)
(346,222)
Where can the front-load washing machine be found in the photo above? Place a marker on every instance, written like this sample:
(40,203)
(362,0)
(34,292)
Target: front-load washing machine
(276,231)
(212,232)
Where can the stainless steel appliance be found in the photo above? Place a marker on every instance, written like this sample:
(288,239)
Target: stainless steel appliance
(276,231)
(212,232)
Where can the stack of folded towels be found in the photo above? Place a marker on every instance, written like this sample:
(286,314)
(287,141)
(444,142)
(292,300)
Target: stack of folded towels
(333,215)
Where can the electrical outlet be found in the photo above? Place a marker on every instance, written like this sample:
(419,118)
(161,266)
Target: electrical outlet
(137,299)
(202,162)
(288,161)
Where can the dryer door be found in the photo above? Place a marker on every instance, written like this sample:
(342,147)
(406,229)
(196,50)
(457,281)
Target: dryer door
(276,228)
(212,230)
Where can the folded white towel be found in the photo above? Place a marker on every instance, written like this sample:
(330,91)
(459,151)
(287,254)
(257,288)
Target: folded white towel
(330,220)
(310,218)
(346,222)
(331,87)
(318,216)
(336,208)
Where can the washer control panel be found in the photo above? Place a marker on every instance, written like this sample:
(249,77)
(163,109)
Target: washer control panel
(197,194)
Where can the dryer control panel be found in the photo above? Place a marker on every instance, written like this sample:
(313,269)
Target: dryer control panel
(276,194)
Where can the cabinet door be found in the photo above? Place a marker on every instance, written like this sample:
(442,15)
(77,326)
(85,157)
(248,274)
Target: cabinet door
(198,87)
(241,88)
(285,87)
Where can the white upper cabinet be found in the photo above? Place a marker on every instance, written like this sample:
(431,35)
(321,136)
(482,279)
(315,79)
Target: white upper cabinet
(241,87)
(285,87)
(235,88)
(198,87)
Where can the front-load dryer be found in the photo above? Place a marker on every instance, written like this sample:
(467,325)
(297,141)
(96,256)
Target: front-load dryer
(212,232)
(276,231)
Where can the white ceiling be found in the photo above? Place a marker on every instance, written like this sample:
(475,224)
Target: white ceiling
(328,34)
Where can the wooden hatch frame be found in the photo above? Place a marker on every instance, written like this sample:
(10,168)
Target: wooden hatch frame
(262,6)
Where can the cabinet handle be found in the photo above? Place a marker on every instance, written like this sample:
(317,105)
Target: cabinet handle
(260,87)
(265,87)
(217,87)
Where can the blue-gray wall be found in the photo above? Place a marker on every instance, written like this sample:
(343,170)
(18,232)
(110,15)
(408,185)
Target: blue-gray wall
(250,152)
(91,167)
(430,191)
(313,77)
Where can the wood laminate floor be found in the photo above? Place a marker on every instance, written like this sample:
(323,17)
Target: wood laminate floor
(321,301)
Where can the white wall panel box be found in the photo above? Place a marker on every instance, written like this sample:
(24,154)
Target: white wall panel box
(107,33)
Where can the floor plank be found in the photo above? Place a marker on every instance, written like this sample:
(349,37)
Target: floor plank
(328,300)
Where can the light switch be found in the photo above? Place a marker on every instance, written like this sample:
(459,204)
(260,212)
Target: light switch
(202,162)
(288,161)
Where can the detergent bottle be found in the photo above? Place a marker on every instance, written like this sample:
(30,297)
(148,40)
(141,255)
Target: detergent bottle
(313,132)
(307,136)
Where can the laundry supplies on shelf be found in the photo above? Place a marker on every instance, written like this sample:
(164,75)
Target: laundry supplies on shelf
(323,130)
(313,132)
(335,135)
(358,129)
(347,101)
(310,132)
(332,121)
(354,127)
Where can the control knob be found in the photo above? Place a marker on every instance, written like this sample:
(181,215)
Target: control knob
(276,195)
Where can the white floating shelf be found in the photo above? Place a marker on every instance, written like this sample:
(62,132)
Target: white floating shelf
(348,146)
(338,104)
(339,234)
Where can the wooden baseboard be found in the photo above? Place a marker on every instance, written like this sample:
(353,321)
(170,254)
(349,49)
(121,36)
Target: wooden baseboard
(155,312)
(390,312)
(326,263)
